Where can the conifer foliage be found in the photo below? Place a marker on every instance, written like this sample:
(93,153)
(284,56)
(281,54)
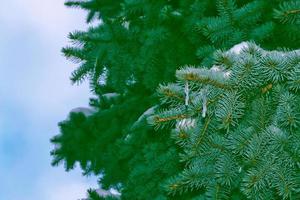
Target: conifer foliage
(246,144)
(139,44)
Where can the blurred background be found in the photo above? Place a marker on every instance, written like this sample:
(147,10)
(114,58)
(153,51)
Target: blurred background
(35,94)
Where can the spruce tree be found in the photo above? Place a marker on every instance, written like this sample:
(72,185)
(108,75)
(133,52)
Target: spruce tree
(137,45)
(239,126)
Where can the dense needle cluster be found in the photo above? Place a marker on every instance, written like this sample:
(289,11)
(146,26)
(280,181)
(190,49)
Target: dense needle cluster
(133,47)
(247,145)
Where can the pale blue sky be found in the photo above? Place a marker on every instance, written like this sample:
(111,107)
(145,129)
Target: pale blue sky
(35,94)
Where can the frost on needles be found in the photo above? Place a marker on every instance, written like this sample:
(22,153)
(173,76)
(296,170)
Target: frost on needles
(247,144)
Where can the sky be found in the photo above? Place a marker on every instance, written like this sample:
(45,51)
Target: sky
(35,94)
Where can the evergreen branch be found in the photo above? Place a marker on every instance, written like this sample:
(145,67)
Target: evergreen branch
(74,54)
(294,78)
(229,109)
(195,177)
(273,67)
(84,4)
(240,138)
(136,42)
(204,130)
(204,76)
(215,191)
(288,12)
(285,183)
(166,119)
(224,59)
(171,93)
(81,73)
